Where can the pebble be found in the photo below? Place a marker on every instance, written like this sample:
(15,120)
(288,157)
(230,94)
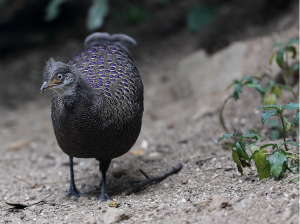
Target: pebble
(114,215)
(218,201)
(184,181)
(113,204)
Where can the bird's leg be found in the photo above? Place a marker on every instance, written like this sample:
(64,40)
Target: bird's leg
(73,190)
(103,167)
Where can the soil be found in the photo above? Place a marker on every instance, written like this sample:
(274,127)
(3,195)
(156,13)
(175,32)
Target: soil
(35,172)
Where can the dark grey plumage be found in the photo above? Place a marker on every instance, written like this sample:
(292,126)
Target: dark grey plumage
(97,102)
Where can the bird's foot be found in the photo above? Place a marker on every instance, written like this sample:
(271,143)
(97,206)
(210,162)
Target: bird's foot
(104,197)
(74,192)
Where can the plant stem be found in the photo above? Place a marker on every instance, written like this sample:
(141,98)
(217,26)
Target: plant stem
(283,131)
(297,93)
(221,114)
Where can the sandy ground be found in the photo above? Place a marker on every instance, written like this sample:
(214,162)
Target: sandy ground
(34,171)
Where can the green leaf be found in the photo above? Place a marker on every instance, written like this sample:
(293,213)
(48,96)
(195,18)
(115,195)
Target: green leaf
(267,114)
(285,87)
(271,58)
(271,106)
(52,9)
(96,14)
(279,57)
(237,160)
(287,124)
(237,91)
(294,180)
(270,99)
(200,16)
(257,86)
(276,162)
(262,164)
(296,118)
(288,72)
(293,50)
(277,91)
(227,136)
(241,150)
(293,41)
(296,67)
(248,79)
(266,145)
(253,148)
(275,135)
(290,142)
(251,134)
(278,45)
(291,106)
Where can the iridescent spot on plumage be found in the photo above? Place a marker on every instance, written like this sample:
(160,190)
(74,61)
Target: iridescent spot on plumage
(80,67)
(85,61)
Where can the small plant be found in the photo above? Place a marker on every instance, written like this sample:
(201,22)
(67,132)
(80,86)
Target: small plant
(238,85)
(286,51)
(280,160)
(271,92)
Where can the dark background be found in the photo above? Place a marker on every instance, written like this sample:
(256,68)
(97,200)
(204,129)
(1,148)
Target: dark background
(23,25)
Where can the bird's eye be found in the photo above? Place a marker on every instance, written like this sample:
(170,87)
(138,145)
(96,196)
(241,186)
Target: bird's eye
(59,76)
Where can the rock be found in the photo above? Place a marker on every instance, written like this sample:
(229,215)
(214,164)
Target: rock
(243,204)
(286,214)
(22,143)
(113,204)
(184,181)
(199,73)
(293,194)
(155,155)
(42,221)
(160,207)
(113,215)
(219,201)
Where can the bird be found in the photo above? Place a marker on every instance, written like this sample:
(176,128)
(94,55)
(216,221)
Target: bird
(97,103)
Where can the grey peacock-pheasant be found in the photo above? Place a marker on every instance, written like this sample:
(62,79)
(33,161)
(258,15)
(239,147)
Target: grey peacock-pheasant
(97,102)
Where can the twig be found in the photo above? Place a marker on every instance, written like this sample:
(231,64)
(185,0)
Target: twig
(23,181)
(144,173)
(158,178)
(221,113)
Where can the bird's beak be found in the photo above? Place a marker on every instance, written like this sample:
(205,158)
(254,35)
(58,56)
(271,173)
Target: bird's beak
(47,85)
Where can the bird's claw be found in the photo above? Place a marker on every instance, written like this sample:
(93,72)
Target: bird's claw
(74,192)
(104,197)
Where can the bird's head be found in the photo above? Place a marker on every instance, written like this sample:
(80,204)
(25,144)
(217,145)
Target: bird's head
(59,77)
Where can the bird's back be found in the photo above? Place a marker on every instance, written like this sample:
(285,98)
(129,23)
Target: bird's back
(111,130)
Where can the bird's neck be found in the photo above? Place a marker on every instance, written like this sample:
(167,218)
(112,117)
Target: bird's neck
(81,93)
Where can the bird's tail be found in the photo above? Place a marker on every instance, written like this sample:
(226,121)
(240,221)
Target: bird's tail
(121,40)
